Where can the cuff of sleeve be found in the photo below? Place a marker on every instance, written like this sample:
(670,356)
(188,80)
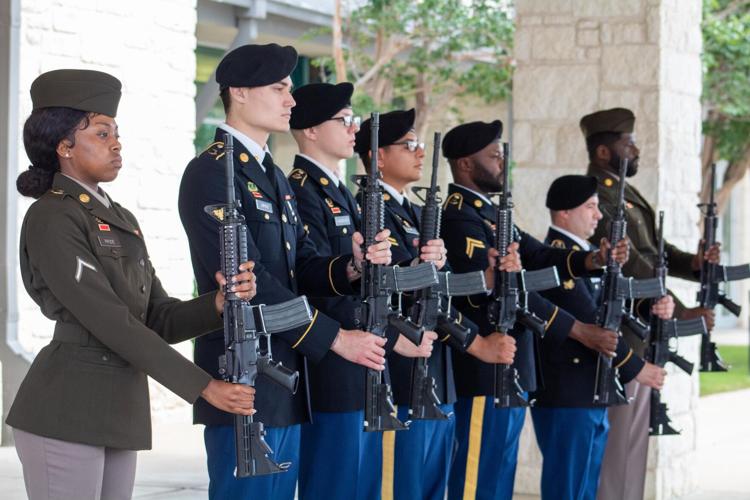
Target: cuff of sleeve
(194,381)
(576,264)
(558,326)
(630,366)
(391,336)
(315,340)
(473,332)
(338,281)
(207,320)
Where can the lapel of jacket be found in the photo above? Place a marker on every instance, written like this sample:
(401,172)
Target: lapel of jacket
(249,170)
(93,205)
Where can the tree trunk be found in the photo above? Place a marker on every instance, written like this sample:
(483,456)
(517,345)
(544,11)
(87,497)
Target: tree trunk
(338,50)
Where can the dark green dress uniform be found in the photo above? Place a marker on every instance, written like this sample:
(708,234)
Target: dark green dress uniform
(624,466)
(88,269)
(467,228)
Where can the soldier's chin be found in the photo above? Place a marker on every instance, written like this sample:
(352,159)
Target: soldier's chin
(632,169)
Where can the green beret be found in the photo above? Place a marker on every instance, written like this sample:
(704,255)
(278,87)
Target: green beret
(618,120)
(318,102)
(393,126)
(570,191)
(256,65)
(468,138)
(81,89)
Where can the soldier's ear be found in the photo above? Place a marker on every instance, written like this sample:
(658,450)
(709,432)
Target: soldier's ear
(603,153)
(63,148)
(464,164)
(381,158)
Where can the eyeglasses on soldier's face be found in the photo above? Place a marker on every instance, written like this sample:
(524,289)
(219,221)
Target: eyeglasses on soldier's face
(347,120)
(410,145)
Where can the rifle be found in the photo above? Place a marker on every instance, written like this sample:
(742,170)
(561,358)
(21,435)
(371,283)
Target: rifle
(247,330)
(661,350)
(615,307)
(430,310)
(509,297)
(379,283)
(712,275)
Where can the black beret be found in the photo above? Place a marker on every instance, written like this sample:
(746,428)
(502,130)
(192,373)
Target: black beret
(317,102)
(609,120)
(81,89)
(393,126)
(468,138)
(570,191)
(256,65)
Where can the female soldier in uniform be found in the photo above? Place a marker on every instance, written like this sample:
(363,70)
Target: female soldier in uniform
(83,408)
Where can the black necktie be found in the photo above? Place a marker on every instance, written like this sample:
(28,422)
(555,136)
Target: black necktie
(410,210)
(270,171)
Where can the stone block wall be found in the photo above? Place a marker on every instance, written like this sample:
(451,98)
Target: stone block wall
(578,56)
(149,45)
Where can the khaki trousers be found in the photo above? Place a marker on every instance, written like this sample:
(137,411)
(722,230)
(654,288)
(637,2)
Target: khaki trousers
(623,473)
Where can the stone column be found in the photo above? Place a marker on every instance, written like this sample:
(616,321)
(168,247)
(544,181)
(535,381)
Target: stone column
(150,46)
(578,56)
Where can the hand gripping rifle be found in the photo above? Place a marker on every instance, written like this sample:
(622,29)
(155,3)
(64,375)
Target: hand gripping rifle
(509,298)
(432,306)
(616,305)
(379,283)
(661,348)
(247,329)
(712,275)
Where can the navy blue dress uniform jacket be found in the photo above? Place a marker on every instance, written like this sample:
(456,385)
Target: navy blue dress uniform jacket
(330,216)
(569,367)
(468,231)
(286,265)
(404,227)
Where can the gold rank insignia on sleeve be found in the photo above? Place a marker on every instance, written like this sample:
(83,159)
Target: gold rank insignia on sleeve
(557,244)
(393,241)
(218,213)
(471,245)
(456,200)
(569,284)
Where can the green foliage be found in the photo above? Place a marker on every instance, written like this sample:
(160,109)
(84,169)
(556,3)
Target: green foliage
(443,49)
(735,379)
(726,74)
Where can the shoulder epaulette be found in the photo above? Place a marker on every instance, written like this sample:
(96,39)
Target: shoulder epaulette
(455,200)
(298,175)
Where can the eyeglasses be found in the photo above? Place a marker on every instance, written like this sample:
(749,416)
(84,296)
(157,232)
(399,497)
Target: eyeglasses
(348,120)
(410,145)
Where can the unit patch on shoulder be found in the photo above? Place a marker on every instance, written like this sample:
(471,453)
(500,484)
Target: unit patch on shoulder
(472,244)
(557,244)
(456,200)
(298,175)
(214,149)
